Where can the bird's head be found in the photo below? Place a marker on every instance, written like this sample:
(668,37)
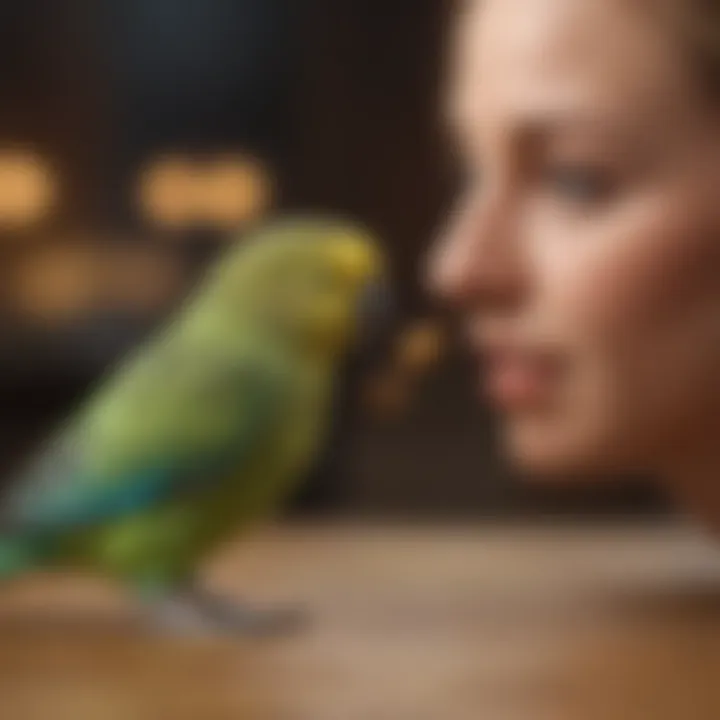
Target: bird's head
(318,283)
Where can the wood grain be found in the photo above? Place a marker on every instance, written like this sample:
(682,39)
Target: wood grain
(408,623)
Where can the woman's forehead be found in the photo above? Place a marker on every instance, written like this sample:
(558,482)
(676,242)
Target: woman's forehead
(529,57)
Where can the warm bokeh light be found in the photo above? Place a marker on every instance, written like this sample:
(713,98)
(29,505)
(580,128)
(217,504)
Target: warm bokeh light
(140,279)
(420,346)
(28,189)
(167,192)
(233,191)
(61,282)
(57,284)
(225,193)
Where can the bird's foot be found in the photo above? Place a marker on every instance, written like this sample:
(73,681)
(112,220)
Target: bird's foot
(202,614)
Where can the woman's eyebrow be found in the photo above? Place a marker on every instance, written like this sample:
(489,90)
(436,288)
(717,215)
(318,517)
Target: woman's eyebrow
(565,121)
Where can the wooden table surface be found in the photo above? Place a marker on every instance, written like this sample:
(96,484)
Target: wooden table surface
(410,623)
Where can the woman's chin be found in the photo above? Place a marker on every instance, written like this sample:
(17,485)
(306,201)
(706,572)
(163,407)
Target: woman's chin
(548,455)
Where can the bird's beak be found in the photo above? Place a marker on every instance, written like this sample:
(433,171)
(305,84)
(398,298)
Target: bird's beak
(376,312)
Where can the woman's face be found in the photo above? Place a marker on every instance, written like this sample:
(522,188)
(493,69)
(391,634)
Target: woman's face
(584,249)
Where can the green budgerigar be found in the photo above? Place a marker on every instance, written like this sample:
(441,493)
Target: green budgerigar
(204,429)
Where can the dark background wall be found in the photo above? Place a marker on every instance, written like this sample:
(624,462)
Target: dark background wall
(339,98)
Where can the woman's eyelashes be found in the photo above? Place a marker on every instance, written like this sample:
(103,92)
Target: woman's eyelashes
(578,183)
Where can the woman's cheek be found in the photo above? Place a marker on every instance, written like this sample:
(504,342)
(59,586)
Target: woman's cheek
(638,300)
(643,274)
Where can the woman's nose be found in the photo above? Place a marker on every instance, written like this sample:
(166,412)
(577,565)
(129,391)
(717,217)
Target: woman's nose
(477,258)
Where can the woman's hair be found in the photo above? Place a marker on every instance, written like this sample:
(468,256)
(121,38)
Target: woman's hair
(698,22)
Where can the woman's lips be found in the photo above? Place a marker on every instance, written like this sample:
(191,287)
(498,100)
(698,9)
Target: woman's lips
(520,378)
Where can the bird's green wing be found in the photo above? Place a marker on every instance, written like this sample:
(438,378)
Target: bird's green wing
(162,431)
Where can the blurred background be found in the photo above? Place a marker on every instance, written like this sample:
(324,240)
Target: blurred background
(139,136)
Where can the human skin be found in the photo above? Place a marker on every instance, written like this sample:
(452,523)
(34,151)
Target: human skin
(583,251)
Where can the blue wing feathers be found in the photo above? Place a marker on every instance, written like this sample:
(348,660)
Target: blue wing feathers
(59,494)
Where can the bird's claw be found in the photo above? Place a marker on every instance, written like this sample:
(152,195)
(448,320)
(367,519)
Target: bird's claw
(207,615)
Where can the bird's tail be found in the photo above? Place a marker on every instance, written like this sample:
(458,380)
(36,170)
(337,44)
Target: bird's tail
(16,556)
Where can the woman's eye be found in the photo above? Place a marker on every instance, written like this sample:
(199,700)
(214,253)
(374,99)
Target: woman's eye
(580,184)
